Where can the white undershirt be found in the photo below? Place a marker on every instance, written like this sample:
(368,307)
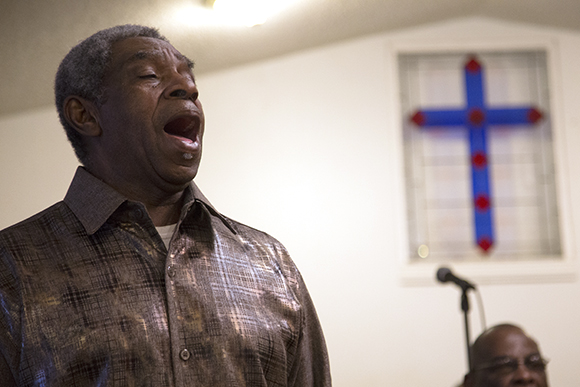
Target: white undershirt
(166,232)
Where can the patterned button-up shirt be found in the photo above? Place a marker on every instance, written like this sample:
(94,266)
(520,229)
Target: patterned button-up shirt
(90,296)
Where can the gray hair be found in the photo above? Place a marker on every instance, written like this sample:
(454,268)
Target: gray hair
(82,70)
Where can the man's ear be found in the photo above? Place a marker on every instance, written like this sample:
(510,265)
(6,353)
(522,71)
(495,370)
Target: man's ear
(81,114)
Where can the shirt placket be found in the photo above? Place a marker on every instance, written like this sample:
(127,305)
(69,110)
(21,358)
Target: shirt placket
(177,263)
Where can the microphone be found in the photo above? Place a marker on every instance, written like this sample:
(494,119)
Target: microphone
(445,275)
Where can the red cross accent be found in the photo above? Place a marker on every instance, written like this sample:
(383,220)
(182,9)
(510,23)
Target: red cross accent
(476,117)
(534,115)
(418,118)
(479,160)
(473,65)
(485,243)
(482,202)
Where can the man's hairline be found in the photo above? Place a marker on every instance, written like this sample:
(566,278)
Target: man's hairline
(145,53)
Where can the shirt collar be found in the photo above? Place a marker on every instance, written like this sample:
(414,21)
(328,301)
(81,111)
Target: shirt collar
(194,194)
(93,201)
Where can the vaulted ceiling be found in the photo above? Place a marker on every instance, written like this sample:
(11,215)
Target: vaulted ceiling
(35,35)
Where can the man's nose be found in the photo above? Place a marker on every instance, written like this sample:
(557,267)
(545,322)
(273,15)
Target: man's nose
(182,87)
(523,375)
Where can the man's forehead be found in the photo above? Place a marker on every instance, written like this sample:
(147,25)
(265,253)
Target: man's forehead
(509,342)
(137,49)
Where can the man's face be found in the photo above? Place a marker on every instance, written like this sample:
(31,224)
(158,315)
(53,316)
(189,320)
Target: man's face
(499,351)
(152,122)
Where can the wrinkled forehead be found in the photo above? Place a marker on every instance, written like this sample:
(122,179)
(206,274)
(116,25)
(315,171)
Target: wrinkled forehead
(136,49)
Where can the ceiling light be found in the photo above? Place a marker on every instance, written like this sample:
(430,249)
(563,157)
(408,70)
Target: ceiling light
(222,13)
(248,12)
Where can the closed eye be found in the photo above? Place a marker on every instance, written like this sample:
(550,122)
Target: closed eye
(148,76)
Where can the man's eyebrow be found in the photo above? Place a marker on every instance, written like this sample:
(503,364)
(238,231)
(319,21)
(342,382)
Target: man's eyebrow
(189,62)
(143,55)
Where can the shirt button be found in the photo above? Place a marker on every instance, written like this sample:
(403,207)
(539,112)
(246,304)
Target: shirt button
(171,271)
(184,354)
(140,213)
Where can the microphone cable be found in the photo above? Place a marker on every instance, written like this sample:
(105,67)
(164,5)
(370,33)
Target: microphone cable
(480,309)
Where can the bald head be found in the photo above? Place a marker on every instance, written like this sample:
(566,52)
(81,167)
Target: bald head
(505,356)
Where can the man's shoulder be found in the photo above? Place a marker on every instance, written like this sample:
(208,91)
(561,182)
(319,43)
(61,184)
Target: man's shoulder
(34,227)
(248,232)
(266,248)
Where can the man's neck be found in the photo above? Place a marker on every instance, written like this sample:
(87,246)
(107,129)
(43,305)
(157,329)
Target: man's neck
(162,204)
(163,215)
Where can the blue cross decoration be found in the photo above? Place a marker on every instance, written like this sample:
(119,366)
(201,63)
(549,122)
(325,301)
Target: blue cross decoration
(476,117)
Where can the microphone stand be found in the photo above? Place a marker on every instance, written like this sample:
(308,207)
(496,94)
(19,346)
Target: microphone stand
(445,275)
(465,309)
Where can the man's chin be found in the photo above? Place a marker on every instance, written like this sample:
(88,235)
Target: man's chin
(182,176)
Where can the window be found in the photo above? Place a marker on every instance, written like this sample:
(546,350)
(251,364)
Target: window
(443,207)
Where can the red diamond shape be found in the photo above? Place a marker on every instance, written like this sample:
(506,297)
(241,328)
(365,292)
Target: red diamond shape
(534,116)
(473,66)
(479,160)
(485,243)
(476,116)
(482,202)
(418,118)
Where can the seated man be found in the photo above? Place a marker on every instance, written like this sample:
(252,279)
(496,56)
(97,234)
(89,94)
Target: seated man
(503,356)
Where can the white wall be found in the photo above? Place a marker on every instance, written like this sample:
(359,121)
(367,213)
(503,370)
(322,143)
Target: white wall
(36,164)
(306,147)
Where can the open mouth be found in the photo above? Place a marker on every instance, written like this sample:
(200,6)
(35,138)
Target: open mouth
(184,127)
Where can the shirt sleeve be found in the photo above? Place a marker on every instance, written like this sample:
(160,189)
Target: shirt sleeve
(9,321)
(311,365)
(5,374)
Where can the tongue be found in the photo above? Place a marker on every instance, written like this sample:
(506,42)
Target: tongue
(178,127)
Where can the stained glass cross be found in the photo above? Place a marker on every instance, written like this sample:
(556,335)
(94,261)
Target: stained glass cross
(476,117)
